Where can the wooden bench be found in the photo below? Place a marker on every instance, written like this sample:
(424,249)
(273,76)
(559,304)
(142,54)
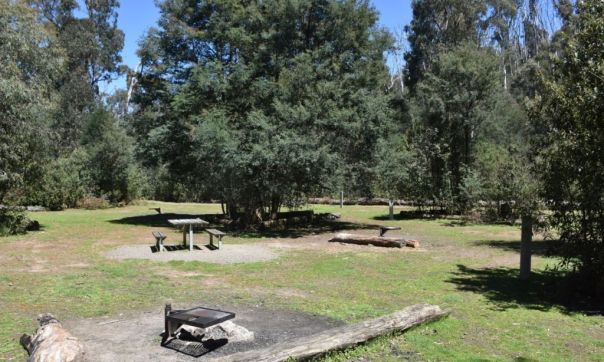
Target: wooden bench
(385,229)
(159,240)
(219,234)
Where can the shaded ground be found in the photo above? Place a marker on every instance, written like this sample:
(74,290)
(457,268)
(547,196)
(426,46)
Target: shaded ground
(137,337)
(546,289)
(538,247)
(161,220)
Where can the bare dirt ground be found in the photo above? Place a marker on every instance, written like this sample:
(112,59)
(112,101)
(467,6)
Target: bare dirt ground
(227,254)
(137,336)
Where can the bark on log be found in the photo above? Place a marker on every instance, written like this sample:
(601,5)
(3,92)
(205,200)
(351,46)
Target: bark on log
(368,240)
(341,337)
(52,343)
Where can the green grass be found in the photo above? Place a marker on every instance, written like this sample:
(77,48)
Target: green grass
(469,269)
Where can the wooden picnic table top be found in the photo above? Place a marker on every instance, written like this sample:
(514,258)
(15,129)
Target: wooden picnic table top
(196,221)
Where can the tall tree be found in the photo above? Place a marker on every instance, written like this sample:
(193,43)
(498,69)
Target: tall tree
(286,91)
(29,65)
(92,45)
(571,111)
(451,104)
(436,26)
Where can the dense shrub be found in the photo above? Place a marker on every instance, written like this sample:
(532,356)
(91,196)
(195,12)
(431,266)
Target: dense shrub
(13,221)
(113,170)
(65,181)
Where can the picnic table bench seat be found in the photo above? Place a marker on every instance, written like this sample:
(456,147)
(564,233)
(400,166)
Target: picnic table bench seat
(219,234)
(159,240)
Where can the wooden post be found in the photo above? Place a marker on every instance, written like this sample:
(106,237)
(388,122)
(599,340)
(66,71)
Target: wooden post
(167,326)
(390,209)
(525,246)
(341,199)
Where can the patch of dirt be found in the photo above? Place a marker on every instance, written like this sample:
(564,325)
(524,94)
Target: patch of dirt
(227,254)
(280,292)
(178,274)
(451,251)
(136,337)
(505,260)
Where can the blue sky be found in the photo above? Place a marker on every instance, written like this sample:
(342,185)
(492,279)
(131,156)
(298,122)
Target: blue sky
(136,16)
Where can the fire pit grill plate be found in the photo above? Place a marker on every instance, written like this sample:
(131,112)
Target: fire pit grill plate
(200,317)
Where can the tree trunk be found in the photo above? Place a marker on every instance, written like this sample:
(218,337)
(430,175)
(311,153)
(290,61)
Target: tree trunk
(52,343)
(275,206)
(525,246)
(341,337)
(368,240)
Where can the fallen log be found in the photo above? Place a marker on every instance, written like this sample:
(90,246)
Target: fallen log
(52,342)
(368,240)
(341,337)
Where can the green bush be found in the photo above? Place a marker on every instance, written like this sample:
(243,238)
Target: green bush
(66,180)
(13,221)
(114,172)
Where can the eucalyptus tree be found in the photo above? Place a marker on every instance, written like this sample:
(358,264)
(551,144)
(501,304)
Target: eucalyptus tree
(92,46)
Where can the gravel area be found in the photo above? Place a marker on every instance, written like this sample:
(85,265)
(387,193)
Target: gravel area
(227,254)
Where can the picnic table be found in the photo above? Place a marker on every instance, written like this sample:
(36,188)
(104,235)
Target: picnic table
(190,223)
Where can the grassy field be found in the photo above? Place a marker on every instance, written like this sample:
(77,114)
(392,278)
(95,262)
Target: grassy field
(471,270)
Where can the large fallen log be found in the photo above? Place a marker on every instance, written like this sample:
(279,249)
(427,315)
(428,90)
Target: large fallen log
(341,337)
(368,240)
(52,343)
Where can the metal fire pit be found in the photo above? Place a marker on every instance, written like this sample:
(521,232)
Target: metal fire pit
(196,317)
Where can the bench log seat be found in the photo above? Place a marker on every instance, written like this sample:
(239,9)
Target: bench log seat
(219,234)
(159,240)
(385,229)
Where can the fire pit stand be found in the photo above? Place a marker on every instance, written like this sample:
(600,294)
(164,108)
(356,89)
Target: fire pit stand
(197,317)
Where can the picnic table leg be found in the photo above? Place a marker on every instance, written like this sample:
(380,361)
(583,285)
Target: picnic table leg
(184,236)
(190,237)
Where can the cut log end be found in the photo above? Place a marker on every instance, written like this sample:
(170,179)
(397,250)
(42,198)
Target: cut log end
(412,243)
(52,342)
